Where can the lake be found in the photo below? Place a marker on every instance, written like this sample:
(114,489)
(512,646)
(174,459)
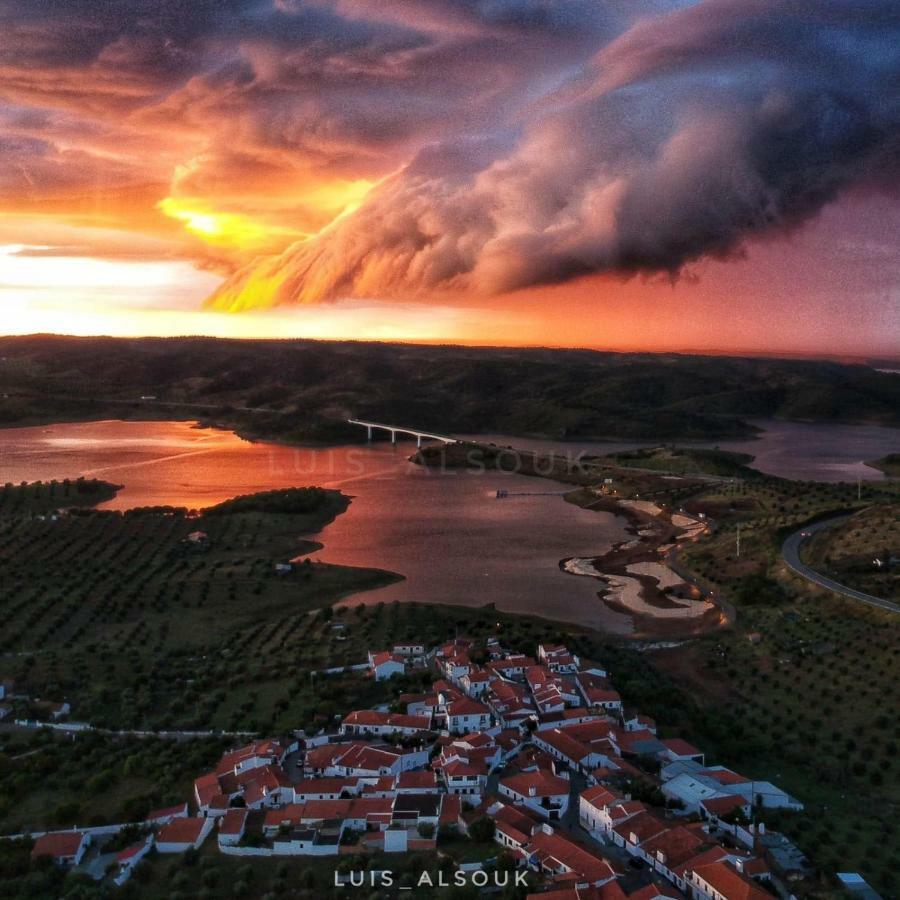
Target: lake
(445,531)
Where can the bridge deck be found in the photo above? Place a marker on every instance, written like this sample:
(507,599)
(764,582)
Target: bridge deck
(400,429)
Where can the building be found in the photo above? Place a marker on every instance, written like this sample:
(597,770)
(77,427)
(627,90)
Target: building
(466,715)
(721,881)
(540,792)
(66,848)
(551,853)
(232,826)
(370,721)
(386,665)
(181,834)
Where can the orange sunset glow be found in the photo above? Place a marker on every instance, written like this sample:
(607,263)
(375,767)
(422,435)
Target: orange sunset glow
(594,174)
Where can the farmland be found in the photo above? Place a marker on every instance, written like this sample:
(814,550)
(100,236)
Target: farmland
(848,551)
(137,625)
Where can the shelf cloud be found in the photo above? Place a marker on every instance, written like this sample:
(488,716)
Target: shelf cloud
(680,136)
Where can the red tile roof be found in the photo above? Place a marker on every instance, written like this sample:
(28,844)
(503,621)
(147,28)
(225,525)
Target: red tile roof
(677,845)
(725,776)
(714,854)
(382,785)
(327,785)
(722,806)
(600,796)
(290,813)
(651,892)
(451,808)
(207,787)
(413,780)
(459,769)
(180,831)
(130,852)
(553,849)
(516,817)
(564,743)
(643,826)
(266,749)
(167,812)
(371,717)
(60,846)
(544,784)
(233,821)
(730,883)
(679,747)
(466,707)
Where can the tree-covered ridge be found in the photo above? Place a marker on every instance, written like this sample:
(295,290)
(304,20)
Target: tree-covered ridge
(297,390)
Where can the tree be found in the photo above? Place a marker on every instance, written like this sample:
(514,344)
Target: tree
(482,830)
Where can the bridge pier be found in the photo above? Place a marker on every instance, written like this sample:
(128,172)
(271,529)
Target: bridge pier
(393,436)
(418,440)
(369,433)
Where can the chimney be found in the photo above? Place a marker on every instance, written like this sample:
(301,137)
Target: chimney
(532,791)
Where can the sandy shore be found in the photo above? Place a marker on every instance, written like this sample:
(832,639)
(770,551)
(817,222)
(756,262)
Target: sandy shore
(636,581)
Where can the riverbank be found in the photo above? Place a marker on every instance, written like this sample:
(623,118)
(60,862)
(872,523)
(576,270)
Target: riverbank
(637,582)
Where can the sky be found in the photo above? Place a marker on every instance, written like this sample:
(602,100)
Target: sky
(719,175)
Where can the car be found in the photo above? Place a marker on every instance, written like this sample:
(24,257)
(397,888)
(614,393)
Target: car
(805,533)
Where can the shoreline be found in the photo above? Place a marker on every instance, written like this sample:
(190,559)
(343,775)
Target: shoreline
(638,583)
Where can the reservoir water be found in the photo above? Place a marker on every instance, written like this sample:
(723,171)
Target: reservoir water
(444,531)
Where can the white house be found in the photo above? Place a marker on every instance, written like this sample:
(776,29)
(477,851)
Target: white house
(475,682)
(232,826)
(180,834)
(64,847)
(128,858)
(464,779)
(558,658)
(386,665)
(593,808)
(562,746)
(541,792)
(370,721)
(720,881)
(466,715)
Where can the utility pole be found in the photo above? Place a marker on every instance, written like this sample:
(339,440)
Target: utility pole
(859,488)
(738,540)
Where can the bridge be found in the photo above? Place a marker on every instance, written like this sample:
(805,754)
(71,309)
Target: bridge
(399,429)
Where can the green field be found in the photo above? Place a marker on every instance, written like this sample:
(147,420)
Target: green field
(136,627)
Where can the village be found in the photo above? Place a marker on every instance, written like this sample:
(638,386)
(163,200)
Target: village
(536,756)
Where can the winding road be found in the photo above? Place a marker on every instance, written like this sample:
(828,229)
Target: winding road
(790,550)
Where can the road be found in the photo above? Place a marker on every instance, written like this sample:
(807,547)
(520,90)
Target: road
(790,550)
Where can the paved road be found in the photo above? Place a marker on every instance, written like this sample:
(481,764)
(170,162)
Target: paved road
(790,550)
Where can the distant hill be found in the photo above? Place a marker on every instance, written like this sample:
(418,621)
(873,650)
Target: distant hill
(299,390)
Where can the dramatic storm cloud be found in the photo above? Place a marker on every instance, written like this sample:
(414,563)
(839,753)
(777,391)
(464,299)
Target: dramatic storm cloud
(518,157)
(678,137)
